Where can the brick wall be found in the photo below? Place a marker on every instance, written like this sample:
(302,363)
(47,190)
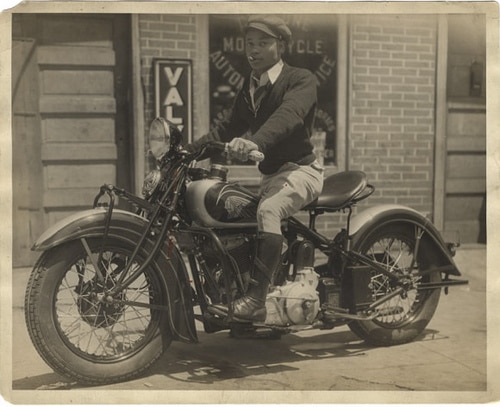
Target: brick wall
(391,111)
(391,126)
(170,36)
(391,102)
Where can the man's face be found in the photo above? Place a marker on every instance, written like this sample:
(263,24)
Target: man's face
(263,51)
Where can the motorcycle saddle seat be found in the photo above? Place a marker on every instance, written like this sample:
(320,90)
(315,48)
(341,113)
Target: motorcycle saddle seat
(340,190)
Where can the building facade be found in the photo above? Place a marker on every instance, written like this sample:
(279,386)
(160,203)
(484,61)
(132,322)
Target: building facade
(401,97)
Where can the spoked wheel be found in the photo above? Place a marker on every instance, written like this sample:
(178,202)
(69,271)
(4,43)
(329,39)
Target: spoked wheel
(79,329)
(404,316)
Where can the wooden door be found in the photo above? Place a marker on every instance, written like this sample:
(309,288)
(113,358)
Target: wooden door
(27,193)
(465,199)
(81,64)
(465,185)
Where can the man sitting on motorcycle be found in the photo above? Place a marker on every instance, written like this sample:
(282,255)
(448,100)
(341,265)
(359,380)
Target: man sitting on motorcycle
(273,113)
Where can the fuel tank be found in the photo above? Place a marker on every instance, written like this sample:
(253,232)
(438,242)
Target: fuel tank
(213,202)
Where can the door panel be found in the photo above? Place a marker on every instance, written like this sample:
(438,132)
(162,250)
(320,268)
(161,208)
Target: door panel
(77,30)
(465,168)
(79,129)
(465,193)
(80,82)
(27,219)
(76,91)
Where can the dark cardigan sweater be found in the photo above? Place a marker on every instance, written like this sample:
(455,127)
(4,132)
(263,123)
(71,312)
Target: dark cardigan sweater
(281,126)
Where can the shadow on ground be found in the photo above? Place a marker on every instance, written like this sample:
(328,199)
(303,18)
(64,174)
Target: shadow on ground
(219,357)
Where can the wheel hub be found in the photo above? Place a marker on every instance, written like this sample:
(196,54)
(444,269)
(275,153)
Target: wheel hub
(95,306)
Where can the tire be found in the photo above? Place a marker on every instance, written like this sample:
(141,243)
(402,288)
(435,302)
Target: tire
(407,315)
(83,339)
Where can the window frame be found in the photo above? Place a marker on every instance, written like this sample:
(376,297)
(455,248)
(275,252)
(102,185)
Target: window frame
(249,175)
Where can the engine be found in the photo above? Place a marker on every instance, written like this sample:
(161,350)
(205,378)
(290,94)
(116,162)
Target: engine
(295,302)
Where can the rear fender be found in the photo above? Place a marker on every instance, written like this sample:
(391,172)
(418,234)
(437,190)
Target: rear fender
(128,227)
(375,217)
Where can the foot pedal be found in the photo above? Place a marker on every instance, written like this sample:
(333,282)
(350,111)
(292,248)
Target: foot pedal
(218,310)
(248,331)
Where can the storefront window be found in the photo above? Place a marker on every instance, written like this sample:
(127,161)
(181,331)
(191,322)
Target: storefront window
(313,46)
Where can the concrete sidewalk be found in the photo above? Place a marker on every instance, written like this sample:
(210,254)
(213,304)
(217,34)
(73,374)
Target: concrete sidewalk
(447,363)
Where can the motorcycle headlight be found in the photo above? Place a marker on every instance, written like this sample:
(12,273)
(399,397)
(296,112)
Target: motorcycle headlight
(159,137)
(150,183)
(163,136)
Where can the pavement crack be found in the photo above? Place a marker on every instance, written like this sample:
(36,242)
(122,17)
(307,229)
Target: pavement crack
(268,384)
(371,382)
(453,359)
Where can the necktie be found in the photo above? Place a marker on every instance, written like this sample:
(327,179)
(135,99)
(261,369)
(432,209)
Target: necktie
(259,93)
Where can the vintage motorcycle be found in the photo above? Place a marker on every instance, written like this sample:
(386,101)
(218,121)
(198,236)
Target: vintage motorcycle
(113,287)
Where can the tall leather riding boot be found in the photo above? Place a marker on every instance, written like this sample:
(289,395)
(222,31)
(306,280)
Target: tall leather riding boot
(252,307)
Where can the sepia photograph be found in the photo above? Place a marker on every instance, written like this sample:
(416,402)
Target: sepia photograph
(249,202)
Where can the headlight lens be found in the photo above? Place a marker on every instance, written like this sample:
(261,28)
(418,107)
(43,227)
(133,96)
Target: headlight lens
(159,137)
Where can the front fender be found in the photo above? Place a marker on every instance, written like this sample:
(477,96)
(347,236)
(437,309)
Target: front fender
(85,223)
(381,215)
(129,227)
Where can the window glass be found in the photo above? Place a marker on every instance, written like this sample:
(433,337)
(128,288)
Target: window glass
(313,46)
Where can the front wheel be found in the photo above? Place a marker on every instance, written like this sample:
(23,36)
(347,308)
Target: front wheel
(81,333)
(405,316)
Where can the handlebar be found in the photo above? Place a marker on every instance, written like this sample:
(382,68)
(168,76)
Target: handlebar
(254,155)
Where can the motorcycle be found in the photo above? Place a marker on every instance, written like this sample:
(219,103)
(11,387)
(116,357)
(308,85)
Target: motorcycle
(113,287)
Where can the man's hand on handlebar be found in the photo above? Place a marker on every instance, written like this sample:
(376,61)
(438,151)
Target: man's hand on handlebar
(240,148)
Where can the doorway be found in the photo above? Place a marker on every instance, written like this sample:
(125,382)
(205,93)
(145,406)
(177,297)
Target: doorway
(71,119)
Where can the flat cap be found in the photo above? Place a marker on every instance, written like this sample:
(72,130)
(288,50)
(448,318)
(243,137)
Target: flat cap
(271,25)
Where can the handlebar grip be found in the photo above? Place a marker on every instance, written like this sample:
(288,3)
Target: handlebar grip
(256,156)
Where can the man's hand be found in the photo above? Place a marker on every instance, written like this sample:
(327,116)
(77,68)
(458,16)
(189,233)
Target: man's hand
(240,147)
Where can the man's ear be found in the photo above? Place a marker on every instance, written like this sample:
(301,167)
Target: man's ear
(281,46)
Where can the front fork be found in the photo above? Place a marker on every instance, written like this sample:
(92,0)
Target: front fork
(158,226)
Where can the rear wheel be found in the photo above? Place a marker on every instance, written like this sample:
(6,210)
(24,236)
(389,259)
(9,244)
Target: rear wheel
(80,331)
(402,318)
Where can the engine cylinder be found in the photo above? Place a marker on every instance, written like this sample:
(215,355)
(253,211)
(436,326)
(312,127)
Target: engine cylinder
(303,255)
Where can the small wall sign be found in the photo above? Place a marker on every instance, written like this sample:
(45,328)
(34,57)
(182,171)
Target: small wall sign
(173,81)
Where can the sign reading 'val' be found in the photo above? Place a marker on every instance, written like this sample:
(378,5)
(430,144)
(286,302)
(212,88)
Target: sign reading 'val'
(173,93)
